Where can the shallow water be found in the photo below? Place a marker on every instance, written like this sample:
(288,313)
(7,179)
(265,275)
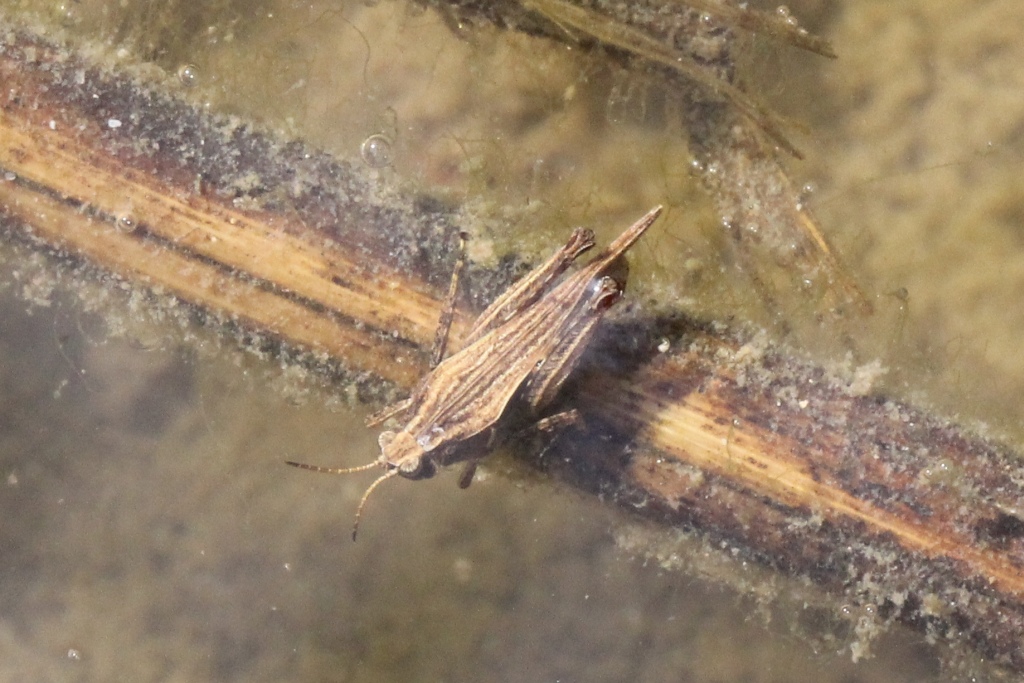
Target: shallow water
(151,531)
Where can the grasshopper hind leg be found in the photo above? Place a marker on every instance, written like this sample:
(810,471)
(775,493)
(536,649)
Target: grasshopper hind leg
(444,324)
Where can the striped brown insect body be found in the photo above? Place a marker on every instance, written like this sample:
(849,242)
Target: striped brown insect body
(523,347)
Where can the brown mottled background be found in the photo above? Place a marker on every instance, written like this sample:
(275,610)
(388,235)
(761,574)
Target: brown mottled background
(148,528)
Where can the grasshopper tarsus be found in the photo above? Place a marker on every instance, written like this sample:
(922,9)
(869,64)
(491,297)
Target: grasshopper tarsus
(467,473)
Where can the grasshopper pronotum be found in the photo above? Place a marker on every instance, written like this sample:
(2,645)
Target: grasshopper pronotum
(523,347)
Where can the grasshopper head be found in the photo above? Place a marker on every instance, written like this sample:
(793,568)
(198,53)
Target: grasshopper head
(399,451)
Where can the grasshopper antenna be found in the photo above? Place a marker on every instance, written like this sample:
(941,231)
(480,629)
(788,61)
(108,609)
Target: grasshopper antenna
(333,470)
(349,470)
(362,501)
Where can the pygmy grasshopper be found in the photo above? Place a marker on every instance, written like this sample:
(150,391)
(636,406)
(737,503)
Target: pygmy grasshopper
(522,347)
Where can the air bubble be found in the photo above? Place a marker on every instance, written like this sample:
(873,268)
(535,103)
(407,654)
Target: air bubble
(376,151)
(804,196)
(783,13)
(126,223)
(188,74)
